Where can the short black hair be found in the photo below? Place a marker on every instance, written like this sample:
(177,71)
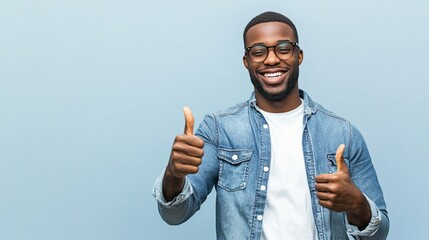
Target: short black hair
(269,17)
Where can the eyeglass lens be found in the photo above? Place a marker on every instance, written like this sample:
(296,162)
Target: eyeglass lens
(282,50)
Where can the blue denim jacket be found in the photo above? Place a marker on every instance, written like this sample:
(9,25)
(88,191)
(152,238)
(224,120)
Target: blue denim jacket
(236,162)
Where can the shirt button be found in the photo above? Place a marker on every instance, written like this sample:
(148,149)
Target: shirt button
(266,168)
(259,217)
(234,157)
(265,126)
(263,187)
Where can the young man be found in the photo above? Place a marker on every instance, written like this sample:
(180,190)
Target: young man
(283,166)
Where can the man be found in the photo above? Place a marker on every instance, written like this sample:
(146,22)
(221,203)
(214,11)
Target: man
(282,165)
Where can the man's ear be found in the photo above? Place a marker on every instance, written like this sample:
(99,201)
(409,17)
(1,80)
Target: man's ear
(300,56)
(245,61)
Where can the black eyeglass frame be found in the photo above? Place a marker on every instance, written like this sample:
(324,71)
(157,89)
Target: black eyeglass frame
(294,44)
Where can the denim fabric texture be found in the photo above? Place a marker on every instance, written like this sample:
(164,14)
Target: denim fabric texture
(236,163)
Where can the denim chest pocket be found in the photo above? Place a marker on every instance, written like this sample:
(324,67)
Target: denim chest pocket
(233,168)
(332,162)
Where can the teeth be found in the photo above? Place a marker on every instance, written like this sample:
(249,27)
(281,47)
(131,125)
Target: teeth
(271,75)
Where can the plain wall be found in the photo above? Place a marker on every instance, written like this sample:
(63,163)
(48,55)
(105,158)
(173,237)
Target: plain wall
(91,97)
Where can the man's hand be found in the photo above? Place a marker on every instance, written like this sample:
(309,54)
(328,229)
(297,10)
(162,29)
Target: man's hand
(338,193)
(185,158)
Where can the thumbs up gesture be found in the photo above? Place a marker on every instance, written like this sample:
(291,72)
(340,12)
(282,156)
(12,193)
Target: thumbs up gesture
(336,191)
(187,150)
(185,158)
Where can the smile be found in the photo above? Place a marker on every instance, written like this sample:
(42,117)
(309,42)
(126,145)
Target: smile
(273,75)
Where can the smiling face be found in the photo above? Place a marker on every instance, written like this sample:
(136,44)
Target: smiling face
(274,80)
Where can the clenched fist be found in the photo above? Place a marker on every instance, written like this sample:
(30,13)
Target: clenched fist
(185,158)
(338,193)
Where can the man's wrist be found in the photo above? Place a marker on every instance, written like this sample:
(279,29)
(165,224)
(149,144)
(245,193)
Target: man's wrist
(360,216)
(171,185)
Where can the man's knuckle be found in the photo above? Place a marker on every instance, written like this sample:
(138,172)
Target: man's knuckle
(200,153)
(174,156)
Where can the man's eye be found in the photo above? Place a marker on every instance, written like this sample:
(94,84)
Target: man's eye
(258,52)
(284,50)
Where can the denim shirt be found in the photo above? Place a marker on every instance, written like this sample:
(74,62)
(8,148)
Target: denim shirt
(236,163)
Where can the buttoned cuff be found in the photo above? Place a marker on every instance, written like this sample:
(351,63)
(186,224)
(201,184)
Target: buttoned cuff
(181,197)
(373,225)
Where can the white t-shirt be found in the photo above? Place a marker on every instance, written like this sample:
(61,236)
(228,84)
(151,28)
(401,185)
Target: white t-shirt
(288,212)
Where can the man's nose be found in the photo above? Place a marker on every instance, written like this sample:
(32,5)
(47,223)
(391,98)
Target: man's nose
(272,58)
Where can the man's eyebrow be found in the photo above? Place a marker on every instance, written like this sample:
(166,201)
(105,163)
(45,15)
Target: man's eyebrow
(279,41)
(256,44)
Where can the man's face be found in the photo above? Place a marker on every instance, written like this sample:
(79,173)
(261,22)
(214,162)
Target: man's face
(273,78)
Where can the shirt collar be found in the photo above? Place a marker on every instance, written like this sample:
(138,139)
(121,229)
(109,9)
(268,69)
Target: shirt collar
(309,106)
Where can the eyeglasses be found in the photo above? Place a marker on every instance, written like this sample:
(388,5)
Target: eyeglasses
(283,50)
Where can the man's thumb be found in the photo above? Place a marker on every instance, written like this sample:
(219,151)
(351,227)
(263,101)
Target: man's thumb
(341,164)
(189,121)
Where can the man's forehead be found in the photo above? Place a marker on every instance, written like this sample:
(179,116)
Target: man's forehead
(269,31)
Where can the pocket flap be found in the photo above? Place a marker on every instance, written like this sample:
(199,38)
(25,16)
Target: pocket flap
(235,156)
(333,160)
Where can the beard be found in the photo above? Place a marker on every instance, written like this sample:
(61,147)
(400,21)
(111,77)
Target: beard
(276,96)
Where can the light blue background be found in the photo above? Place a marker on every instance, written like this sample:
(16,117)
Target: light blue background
(91,97)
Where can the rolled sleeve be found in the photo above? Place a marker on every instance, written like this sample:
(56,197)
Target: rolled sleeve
(181,197)
(373,225)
